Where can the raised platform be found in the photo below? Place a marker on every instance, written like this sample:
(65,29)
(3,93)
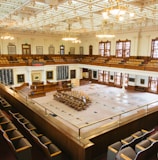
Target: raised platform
(85,135)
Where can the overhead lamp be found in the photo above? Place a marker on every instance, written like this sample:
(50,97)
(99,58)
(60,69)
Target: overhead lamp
(105,15)
(131,14)
(7,37)
(105,36)
(118,10)
(76,41)
(69,38)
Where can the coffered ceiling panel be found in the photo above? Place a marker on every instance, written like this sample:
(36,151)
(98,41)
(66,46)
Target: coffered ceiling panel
(77,16)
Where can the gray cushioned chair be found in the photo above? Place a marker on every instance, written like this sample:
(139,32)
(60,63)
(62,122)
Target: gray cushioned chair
(126,152)
(113,150)
(153,137)
(21,148)
(8,126)
(142,145)
(4,120)
(14,134)
(127,140)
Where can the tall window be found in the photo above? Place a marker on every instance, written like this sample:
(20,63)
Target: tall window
(154,48)
(105,48)
(106,76)
(103,76)
(100,76)
(153,84)
(118,79)
(123,48)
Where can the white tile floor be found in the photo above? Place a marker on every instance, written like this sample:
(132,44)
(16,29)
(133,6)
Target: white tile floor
(107,102)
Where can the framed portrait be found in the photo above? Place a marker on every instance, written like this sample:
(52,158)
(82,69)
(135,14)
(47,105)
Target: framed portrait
(81,50)
(72,50)
(36,77)
(39,50)
(51,50)
(20,78)
(142,81)
(72,74)
(49,75)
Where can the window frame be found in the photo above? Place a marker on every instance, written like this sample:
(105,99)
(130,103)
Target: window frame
(123,48)
(154,48)
(105,48)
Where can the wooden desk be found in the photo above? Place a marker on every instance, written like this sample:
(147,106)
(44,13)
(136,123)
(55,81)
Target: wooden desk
(35,94)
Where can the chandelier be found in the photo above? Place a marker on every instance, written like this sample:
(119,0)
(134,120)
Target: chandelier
(7,37)
(76,41)
(68,36)
(105,35)
(117,11)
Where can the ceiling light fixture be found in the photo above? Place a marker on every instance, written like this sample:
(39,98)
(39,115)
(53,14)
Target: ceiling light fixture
(7,37)
(105,36)
(76,41)
(117,10)
(68,36)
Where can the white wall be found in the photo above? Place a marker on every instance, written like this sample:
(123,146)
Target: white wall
(140,43)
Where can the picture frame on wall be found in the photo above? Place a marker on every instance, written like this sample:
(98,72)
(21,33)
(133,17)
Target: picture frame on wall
(51,50)
(11,49)
(72,50)
(73,74)
(142,81)
(49,75)
(36,77)
(81,50)
(39,50)
(20,78)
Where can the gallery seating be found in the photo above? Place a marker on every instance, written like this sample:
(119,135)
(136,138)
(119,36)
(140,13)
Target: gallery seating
(3,120)
(20,147)
(51,151)
(113,150)
(14,134)
(4,104)
(131,141)
(130,153)
(153,137)
(142,145)
(141,133)
(8,126)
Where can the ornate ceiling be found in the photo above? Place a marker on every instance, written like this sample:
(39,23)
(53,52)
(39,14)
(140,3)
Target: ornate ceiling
(79,16)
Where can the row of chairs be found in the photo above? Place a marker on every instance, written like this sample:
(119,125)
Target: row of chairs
(51,151)
(74,102)
(18,144)
(130,141)
(4,104)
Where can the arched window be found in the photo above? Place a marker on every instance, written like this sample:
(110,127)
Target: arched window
(62,49)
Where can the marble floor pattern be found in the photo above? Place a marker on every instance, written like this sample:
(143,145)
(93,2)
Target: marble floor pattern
(107,102)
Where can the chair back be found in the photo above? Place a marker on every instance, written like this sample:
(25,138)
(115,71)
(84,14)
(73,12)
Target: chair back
(149,152)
